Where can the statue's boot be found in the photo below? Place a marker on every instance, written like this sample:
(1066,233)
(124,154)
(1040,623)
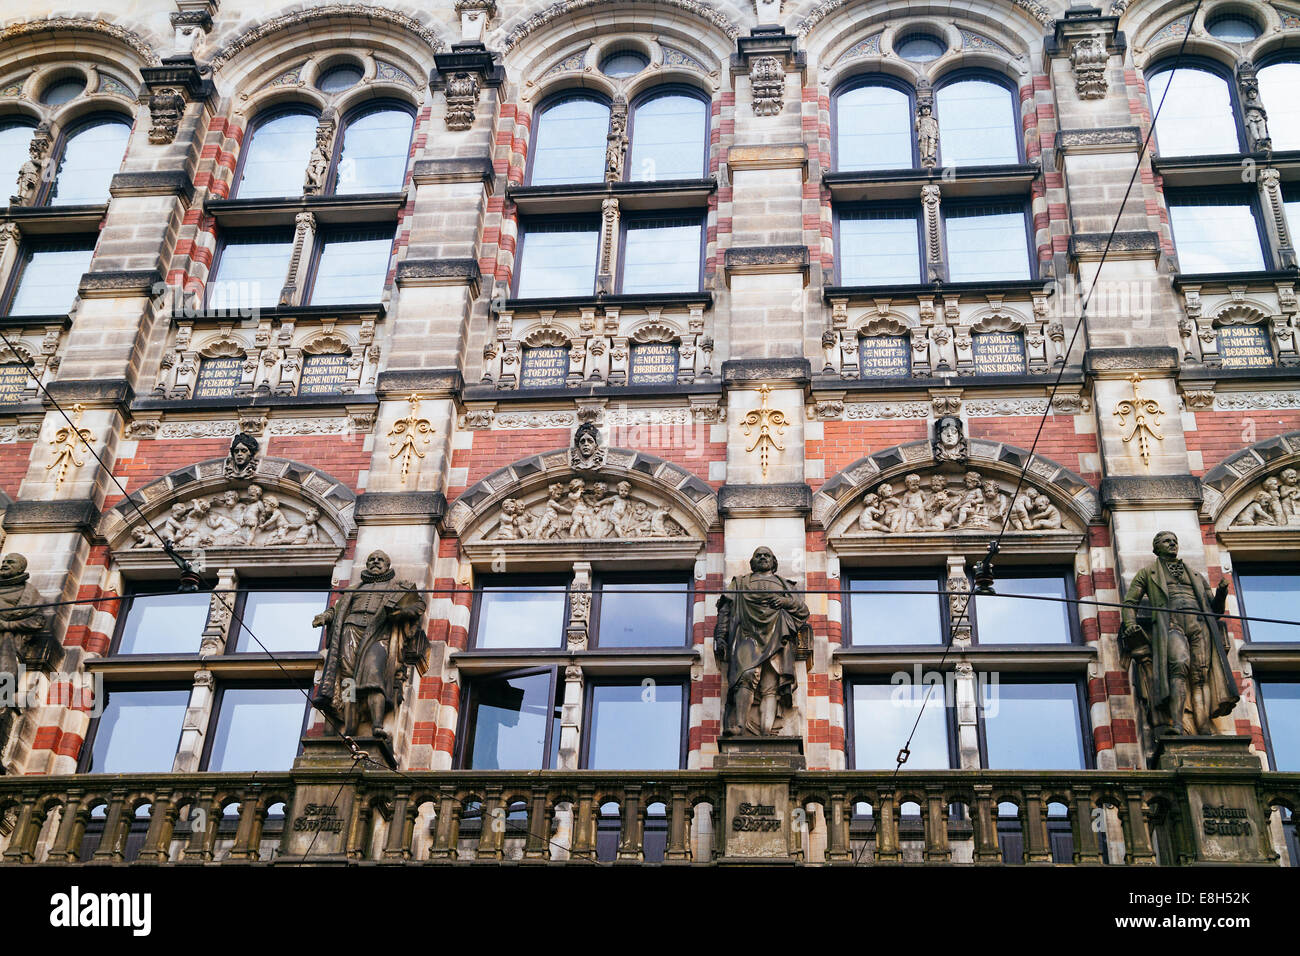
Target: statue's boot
(767,714)
(740,722)
(1177,704)
(377,707)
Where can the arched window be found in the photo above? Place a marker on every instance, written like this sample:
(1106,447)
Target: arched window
(569,142)
(978,122)
(1279,88)
(669,132)
(1197,118)
(375,145)
(14,139)
(92,154)
(275,160)
(873,127)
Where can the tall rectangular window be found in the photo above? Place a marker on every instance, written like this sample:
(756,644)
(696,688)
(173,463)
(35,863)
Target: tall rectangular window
(511,722)
(557,258)
(661,254)
(880,618)
(644,613)
(1032,726)
(164,623)
(524,615)
(1216,231)
(138,731)
(986,242)
(1280,702)
(281,620)
(883,716)
(1269,594)
(250,271)
(47,276)
(352,266)
(257,728)
(635,726)
(880,246)
(1018,616)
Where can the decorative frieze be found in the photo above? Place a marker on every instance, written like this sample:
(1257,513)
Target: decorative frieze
(587,510)
(945,503)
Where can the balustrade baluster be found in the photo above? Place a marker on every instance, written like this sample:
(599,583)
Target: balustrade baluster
(678,849)
(887,850)
(1037,847)
(398,846)
(1087,850)
(632,838)
(936,826)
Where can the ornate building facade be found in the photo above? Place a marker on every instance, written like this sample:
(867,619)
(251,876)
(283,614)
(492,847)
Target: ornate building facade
(568,308)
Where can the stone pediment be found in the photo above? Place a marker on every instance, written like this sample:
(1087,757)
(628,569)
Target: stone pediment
(281,505)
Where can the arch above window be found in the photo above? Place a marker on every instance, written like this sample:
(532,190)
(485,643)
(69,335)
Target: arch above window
(275,160)
(873,125)
(669,132)
(91,154)
(1197,112)
(569,143)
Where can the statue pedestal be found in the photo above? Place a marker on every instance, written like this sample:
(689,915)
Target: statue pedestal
(757,815)
(322,809)
(1217,778)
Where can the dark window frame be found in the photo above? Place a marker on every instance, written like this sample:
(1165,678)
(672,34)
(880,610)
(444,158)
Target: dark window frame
(1078,681)
(524,580)
(589,714)
(1270,677)
(1013,91)
(613,579)
(1073,630)
(246,148)
(1206,65)
(653,93)
(21,262)
(218,699)
(47,189)
(539,115)
(360,111)
(837,214)
(467,720)
(626,220)
(937,572)
(319,242)
(587,219)
(850,729)
(1022,204)
(872,79)
(1250,198)
(224,240)
(86,758)
(136,589)
(1261,567)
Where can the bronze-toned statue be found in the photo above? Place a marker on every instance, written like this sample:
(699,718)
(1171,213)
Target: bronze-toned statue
(374,633)
(762,629)
(22,627)
(1182,664)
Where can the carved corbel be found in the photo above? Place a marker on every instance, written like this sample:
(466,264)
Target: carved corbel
(768,55)
(461,75)
(304,237)
(933,239)
(1088,40)
(608,245)
(177,82)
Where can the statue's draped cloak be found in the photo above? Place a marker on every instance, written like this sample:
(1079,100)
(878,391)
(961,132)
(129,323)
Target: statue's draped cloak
(359,648)
(765,632)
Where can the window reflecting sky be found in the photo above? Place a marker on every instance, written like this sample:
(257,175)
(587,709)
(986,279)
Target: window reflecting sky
(662,255)
(1218,236)
(986,243)
(281,620)
(50,277)
(139,731)
(642,615)
(276,164)
(1196,118)
(668,138)
(873,129)
(523,618)
(165,624)
(1270,595)
(352,268)
(91,157)
(894,618)
(978,125)
(883,715)
(1032,726)
(557,259)
(509,721)
(636,727)
(1007,620)
(570,143)
(251,271)
(1279,88)
(375,149)
(1282,710)
(258,729)
(880,247)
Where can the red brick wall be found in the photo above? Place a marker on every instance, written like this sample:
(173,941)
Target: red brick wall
(1219,435)
(846,442)
(13,466)
(1059,440)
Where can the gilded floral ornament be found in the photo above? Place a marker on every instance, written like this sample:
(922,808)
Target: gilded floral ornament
(404,436)
(1145,424)
(771,425)
(65,442)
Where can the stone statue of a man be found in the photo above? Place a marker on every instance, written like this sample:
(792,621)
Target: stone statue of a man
(374,631)
(756,636)
(22,626)
(1182,664)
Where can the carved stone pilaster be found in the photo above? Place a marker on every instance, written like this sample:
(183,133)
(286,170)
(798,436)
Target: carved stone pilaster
(579,606)
(1271,186)
(616,140)
(927,125)
(608,245)
(933,244)
(303,235)
(462,75)
(958,597)
(217,630)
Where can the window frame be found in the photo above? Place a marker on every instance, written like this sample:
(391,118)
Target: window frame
(1021,203)
(522,580)
(855,83)
(1261,567)
(218,698)
(601,579)
(652,93)
(86,758)
(1206,65)
(1073,630)
(588,715)
(640,216)
(250,585)
(467,720)
(246,149)
(883,680)
(849,575)
(1251,200)
(1080,684)
(19,268)
(1017,126)
(136,589)
(1260,679)
(524,223)
(539,114)
(66,134)
(837,211)
(224,240)
(321,238)
(357,112)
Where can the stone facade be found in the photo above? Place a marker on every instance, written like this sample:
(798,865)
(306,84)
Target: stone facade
(428,442)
